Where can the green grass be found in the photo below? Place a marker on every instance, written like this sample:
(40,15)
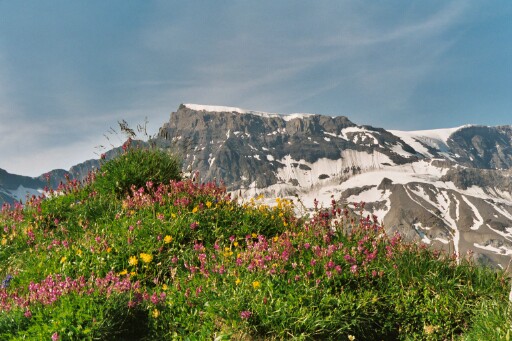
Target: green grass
(176,259)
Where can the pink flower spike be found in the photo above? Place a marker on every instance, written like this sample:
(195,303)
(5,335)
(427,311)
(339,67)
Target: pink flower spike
(245,314)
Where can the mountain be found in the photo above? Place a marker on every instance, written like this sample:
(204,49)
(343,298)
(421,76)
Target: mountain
(17,187)
(450,188)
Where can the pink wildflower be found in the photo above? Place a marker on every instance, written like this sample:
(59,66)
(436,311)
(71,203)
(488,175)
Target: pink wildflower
(245,314)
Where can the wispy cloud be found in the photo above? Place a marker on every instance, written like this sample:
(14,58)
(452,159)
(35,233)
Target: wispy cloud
(379,60)
(373,61)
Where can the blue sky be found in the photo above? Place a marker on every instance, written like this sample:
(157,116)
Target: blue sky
(69,70)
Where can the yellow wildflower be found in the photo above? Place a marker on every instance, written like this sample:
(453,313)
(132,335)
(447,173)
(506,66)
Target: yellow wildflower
(4,241)
(275,239)
(208,204)
(109,249)
(133,273)
(156,313)
(195,209)
(146,257)
(79,252)
(164,287)
(173,216)
(256,284)
(430,329)
(124,272)
(63,259)
(167,239)
(351,337)
(133,260)
(238,281)
(235,244)
(254,235)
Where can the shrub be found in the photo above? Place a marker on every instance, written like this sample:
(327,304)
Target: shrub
(136,167)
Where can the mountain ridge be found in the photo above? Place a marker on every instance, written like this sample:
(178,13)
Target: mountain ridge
(450,188)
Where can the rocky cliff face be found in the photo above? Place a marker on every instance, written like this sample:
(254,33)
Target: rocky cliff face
(450,188)
(252,148)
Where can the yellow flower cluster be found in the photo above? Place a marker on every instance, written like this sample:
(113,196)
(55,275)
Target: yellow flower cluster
(167,239)
(156,313)
(256,284)
(146,257)
(133,260)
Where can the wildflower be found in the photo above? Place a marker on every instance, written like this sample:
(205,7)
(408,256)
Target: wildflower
(167,239)
(156,313)
(235,244)
(353,269)
(256,284)
(28,313)
(124,272)
(164,287)
(208,204)
(194,225)
(351,337)
(238,281)
(195,209)
(430,329)
(4,241)
(133,261)
(109,249)
(245,314)
(55,336)
(6,282)
(63,260)
(146,257)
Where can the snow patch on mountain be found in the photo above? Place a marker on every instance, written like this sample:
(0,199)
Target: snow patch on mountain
(307,174)
(218,108)
(21,192)
(421,139)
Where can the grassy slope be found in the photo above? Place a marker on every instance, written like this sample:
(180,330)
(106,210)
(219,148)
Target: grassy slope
(183,260)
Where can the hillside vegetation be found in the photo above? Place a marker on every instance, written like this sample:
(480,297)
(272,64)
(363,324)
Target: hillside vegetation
(137,253)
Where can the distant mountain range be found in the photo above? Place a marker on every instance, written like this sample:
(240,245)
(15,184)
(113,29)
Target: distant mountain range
(449,188)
